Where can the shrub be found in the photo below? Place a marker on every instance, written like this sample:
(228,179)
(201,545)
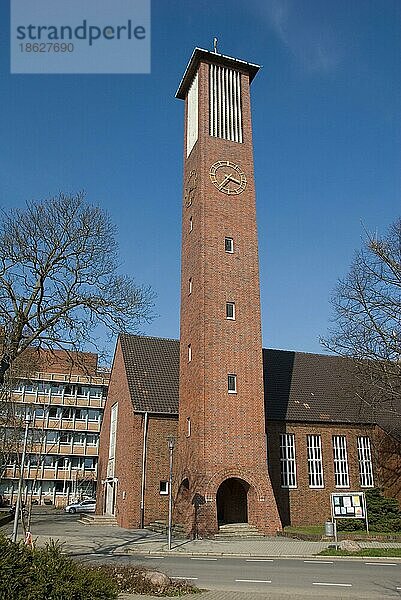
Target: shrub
(47,574)
(384,514)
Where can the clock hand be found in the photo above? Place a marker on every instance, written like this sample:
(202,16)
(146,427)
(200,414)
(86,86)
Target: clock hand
(222,184)
(234,180)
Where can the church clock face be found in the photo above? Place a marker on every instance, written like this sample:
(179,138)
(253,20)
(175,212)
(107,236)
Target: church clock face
(190,188)
(227,177)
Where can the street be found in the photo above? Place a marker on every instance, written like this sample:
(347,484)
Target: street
(320,577)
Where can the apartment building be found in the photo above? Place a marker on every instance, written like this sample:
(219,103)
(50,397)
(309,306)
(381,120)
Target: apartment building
(64,402)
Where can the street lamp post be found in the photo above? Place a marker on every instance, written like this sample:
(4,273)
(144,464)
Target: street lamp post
(21,477)
(171,442)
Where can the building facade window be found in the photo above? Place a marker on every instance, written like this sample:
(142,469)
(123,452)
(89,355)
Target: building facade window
(230,311)
(341,475)
(232,383)
(190,286)
(365,461)
(188,434)
(315,463)
(287,460)
(229,245)
(189,353)
(191,224)
(163,488)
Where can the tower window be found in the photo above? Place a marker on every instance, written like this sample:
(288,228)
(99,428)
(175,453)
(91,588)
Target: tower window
(232,383)
(230,311)
(229,245)
(191,224)
(164,488)
(190,285)
(189,353)
(188,427)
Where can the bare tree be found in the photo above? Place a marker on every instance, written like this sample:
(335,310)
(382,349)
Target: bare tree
(367,322)
(59,279)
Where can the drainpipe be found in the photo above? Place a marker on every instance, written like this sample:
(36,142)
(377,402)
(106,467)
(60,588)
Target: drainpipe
(145,433)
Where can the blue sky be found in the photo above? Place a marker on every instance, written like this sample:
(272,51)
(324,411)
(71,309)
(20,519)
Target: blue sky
(326,118)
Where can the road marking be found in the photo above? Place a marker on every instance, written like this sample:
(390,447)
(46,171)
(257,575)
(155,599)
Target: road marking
(382,564)
(199,558)
(398,588)
(254,580)
(319,562)
(177,577)
(154,557)
(338,584)
(259,560)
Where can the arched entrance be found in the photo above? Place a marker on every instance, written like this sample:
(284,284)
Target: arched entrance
(232,501)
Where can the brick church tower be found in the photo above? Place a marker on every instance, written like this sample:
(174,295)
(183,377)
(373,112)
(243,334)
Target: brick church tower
(221,463)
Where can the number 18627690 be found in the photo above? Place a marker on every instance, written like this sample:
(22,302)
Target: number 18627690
(47,47)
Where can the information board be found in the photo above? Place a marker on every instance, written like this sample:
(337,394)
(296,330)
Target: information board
(348,505)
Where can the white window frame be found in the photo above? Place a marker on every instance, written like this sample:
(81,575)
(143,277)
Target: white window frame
(365,461)
(315,461)
(232,305)
(340,458)
(189,352)
(163,487)
(233,390)
(190,284)
(288,462)
(188,434)
(231,240)
(191,224)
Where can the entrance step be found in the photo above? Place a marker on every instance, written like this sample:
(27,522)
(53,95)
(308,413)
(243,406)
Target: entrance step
(237,531)
(160,526)
(103,520)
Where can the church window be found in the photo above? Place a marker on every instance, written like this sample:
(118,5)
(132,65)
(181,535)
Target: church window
(164,488)
(229,245)
(341,476)
(189,353)
(190,285)
(365,461)
(232,383)
(188,434)
(191,224)
(192,115)
(230,311)
(287,460)
(315,464)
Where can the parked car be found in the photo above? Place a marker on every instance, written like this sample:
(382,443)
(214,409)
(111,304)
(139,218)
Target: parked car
(83,506)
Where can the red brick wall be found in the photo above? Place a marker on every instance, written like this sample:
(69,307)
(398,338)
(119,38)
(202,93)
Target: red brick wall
(304,505)
(128,448)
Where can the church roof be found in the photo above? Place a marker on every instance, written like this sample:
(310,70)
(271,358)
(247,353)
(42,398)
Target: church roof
(152,368)
(311,387)
(298,386)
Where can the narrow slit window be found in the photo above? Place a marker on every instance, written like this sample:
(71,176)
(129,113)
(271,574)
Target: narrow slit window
(232,383)
(230,311)
(163,488)
(190,285)
(229,245)
(189,353)
(191,224)
(188,426)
